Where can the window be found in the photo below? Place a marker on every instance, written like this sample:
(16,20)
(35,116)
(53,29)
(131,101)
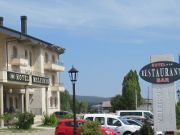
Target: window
(71,124)
(16,102)
(26,54)
(131,113)
(113,122)
(89,118)
(30,58)
(100,120)
(147,115)
(11,101)
(133,123)
(14,52)
(53,80)
(51,101)
(55,101)
(53,59)
(46,57)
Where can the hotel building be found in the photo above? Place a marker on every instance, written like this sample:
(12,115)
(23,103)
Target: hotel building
(29,72)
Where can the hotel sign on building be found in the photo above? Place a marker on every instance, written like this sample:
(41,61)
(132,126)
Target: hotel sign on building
(40,80)
(161,72)
(13,76)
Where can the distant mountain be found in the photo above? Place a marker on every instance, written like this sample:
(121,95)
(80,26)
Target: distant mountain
(92,100)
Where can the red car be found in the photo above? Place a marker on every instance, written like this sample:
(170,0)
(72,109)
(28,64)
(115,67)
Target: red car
(66,126)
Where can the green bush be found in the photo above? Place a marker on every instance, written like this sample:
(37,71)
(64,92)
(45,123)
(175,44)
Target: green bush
(25,120)
(91,128)
(50,120)
(146,129)
(68,116)
(8,119)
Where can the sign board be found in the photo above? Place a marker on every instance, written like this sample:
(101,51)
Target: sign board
(161,72)
(13,76)
(40,80)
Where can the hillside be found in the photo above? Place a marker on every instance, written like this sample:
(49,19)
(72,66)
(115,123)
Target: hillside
(92,99)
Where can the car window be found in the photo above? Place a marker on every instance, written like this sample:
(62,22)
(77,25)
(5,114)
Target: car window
(125,122)
(69,124)
(100,120)
(131,113)
(113,122)
(133,122)
(147,115)
(89,118)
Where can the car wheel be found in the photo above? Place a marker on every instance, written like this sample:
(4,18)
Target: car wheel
(127,133)
(61,134)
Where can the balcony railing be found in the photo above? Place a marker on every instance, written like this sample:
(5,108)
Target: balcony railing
(55,66)
(19,60)
(19,57)
(57,87)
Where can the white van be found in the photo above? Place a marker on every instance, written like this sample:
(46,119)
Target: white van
(138,113)
(121,127)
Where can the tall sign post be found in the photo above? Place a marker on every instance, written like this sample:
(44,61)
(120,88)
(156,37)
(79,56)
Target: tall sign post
(162,72)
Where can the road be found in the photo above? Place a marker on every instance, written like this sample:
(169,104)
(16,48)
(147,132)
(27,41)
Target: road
(38,132)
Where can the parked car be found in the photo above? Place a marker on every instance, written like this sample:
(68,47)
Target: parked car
(121,126)
(137,118)
(61,114)
(134,122)
(66,126)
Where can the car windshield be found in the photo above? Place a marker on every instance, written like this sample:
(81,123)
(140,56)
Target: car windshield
(148,115)
(124,121)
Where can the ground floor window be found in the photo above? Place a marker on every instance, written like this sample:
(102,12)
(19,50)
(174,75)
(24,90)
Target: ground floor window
(53,99)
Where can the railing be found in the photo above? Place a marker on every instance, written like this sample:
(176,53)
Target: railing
(54,62)
(58,84)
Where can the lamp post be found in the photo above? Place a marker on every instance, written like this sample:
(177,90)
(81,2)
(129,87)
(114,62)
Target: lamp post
(178,93)
(73,73)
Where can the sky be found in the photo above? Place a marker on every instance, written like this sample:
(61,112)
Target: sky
(104,39)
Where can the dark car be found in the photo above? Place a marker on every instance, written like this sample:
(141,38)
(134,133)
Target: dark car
(61,114)
(66,126)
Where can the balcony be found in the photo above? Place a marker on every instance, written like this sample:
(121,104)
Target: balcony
(57,87)
(54,66)
(19,61)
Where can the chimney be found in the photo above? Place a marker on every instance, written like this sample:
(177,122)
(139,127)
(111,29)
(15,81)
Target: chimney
(24,24)
(1,21)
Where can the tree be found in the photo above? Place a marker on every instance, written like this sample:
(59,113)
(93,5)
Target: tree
(117,103)
(178,115)
(65,101)
(146,129)
(131,91)
(82,107)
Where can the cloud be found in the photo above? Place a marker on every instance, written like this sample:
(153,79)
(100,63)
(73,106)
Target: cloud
(124,14)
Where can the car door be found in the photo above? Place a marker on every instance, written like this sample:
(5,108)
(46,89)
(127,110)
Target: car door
(100,120)
(113,123)
(69,128)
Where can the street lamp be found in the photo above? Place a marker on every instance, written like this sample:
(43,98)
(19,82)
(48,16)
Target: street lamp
(178,93)
(73,73)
